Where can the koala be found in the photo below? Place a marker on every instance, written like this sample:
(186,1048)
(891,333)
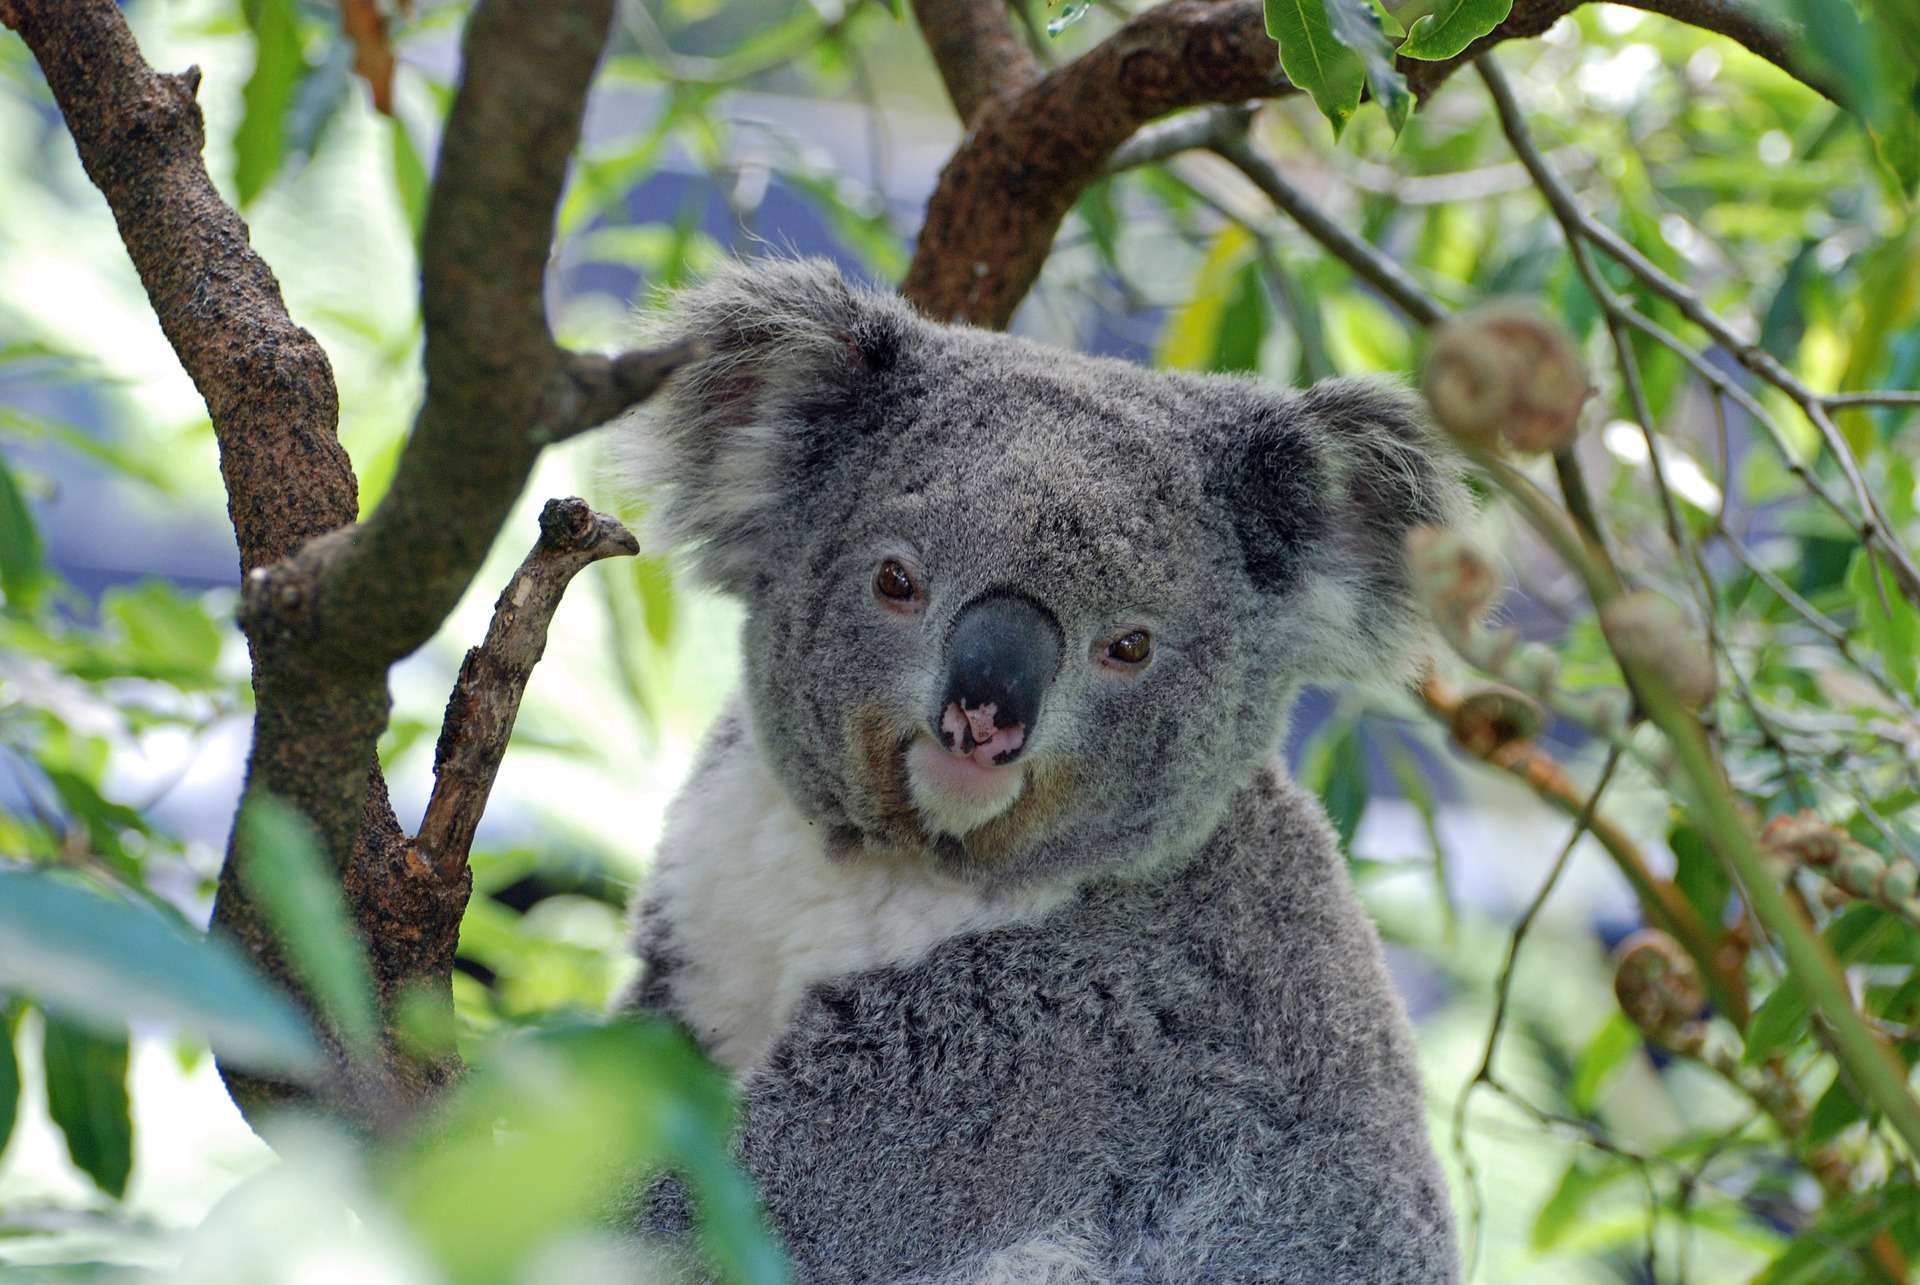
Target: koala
(1029,961)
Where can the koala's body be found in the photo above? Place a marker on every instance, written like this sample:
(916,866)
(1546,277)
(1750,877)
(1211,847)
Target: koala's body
(1031,964)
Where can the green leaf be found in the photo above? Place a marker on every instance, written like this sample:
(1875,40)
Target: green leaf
(1314,60)
(1891,623)
(260,143)
(1191,338)
(1243,323)
(653,579)
(1334,765)
(1356,24)
(1562,1211)
(1700,874)
(1412,780)
(163,633)
(1101,218)
(110,962)
(87,1098)
(1836,1109)
(282,866)
(1854,934)
(23,569)
(410,180)
(1870,67)
(9,1072)
(123,460)
(555,1125)
(1616,1041)
(1456,24)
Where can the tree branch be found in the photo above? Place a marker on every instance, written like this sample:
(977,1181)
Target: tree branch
(1028,155)
(1034,145)
(979,57)
(328,606)
(486,696)
(498,387)
(267,383)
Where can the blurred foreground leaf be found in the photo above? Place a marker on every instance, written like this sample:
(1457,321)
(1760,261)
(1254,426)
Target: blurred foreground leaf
(22,569)
(283,869)
(260,143)
(561,1128)
(106,962)
(9,1074)
(87,1098)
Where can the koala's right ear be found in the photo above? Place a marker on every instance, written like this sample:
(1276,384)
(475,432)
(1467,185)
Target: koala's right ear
(792,352)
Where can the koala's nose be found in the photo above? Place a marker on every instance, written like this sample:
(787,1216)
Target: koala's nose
(1003,652)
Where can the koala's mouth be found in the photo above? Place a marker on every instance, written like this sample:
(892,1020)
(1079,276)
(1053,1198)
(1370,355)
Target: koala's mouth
(973,818)
(955,793)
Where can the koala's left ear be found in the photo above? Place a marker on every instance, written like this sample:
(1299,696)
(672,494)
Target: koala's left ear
(1326,485)
(788,379)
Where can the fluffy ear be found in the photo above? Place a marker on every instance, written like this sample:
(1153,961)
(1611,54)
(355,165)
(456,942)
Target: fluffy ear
(792,352)
(1326,485)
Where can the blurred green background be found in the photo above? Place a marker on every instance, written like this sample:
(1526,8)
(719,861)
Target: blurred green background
(751,126)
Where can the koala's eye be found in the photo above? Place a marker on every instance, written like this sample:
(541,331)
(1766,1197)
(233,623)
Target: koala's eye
(895,585)
(1131,648)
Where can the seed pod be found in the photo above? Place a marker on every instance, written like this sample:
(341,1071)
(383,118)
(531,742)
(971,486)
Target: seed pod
(1506,372)
(1533,667)
(1493,716)
(1656,982)
(1804,836)
(1650,631)
(1900,882)
(1469,382)
(1457,582)
(1859,872)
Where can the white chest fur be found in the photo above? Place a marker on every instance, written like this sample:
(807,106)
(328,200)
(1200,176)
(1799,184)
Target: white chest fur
(758,913)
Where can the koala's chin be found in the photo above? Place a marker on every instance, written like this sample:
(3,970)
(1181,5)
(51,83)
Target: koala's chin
(956,795)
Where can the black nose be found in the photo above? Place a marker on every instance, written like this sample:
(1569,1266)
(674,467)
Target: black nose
(1004,650)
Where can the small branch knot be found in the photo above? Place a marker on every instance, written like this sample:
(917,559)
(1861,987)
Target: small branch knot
(566,523)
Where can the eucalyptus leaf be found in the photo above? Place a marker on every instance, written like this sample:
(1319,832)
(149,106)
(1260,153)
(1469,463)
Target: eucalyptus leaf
(9,1072)
(109,962)
(1450,28)
(22,562)
(1606,1052)
(556,1123)
(260,142)
(1334,765)
(1854,934)
(87,1098)
(282,866)
(1357,25)
(1315,60)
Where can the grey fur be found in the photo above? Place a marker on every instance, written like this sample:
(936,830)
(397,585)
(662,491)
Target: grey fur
(1192,1066)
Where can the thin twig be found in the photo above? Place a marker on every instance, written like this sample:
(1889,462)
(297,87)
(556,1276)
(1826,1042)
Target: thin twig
(486,696)
(1503,994)
(1389,277)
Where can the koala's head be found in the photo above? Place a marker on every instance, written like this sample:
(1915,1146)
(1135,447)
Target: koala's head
(1013,611)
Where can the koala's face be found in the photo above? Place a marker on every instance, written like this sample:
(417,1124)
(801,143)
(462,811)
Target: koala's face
(1013,611)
